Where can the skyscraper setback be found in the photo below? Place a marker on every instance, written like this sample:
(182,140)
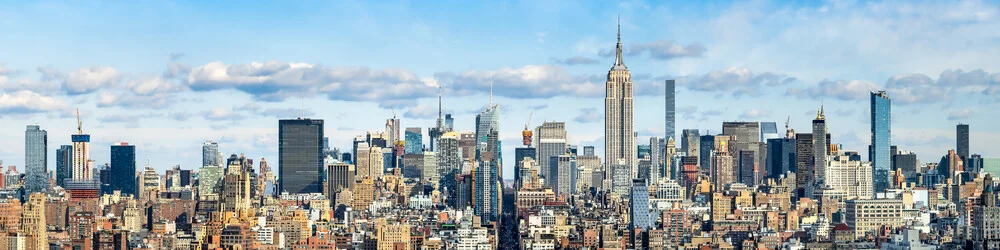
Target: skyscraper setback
(879,154)
(300,155)
(619,136)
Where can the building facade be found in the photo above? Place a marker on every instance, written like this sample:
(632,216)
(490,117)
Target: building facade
(35,159)
(619,134)
(300,155)
(879,155)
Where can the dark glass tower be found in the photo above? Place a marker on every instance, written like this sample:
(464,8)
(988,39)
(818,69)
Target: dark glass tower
(880,154)
(64,164)
(122,170)
(670,129)
(300,156)
(962,140)
(35,159)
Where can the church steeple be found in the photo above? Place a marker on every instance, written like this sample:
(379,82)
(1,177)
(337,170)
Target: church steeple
(619,63)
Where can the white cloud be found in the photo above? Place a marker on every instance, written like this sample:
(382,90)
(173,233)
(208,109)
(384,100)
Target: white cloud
(588,115)
(221,114)
(87,80)
(531,81)
(666,50)
(754,114)
(843,90)
(26,101)
(960,114)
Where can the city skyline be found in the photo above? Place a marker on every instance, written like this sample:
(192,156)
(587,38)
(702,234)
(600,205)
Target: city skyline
(167,97)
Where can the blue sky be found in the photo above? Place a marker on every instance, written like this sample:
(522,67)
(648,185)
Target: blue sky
(166,76)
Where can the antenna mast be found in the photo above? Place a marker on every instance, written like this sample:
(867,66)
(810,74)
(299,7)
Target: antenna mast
(79,123)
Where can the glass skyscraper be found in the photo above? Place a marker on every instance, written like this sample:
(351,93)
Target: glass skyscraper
(641,218)
(879,154)
(414,141)
(300,156)
(210,154)
(64,164)
(35,159)
(122,169)
(670,129)
(962,140)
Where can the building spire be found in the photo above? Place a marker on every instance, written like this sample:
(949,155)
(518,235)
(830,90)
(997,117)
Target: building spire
(440,120)
(619,63)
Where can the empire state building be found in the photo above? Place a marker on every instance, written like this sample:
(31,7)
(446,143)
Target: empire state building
(619,133)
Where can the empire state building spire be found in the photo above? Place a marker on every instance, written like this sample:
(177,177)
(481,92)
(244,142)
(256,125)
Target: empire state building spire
(619,63)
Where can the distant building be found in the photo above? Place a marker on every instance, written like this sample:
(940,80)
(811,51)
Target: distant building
(64,164)
(879,154)
(670,130)
(300,156)
(907,163)
(36,159)
(867,216)
(210,154)
(691,143)
(414,140)
(563,175)
(551,141)
(780,157)
(122,169)
(619,131)
(852,177)
(962,140)
(641,217)
(986,218)
(820,147)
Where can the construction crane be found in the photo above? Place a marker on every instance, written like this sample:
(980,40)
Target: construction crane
(526,134)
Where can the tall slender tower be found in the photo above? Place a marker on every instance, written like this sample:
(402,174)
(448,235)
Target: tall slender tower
(81,152)
(670,126)
(35,159)
(880,126)
(821,147)
(619,136)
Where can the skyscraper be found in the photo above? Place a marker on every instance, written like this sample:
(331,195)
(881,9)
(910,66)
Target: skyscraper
(35,159)
(64,164)
(780,156)
(488,158)
(962,140)
(392,128)
(655,154)
(123,169)
(880,156)
(641,218)
(820,147)
(670,124)
(691,143)
(300,155)
(551,138)
(414,141)
(619,136)
(210,154)
(804,164)
(562,174)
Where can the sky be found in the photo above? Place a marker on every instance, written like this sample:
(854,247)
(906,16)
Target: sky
(168,75)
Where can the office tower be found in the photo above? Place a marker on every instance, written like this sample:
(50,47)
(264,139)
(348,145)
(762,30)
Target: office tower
(804,161)
(439,128)
(907,163)
(655,153)
(33,222)
(747,138)
(122,169)
(551,138)
(747,168)
(950,164)
(35,159)
(392,129)
(974,164)
(236,188)
(300,156)
(414,140)
(706,149)
(620,179)
(562,176)
(868,216)
(370,161)
(524,152)
(448,153)
(64,164)
(413,166)
(619,134)
(853,177)
(340,176)
(208,180)
(669,162)
(588,150)
(986,218)
(641,217)
(691,143)
(486,191)
(488,159)
(671,125)
(463,196)
(467,143)
(962,140)
(769,130)
(879,155)
(210,154)
(449,123)
(780,157)
(429,173)
(820,147)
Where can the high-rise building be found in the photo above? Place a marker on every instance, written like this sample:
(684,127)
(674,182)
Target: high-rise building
(208,180)
(81,154)
(35,159)
(769,130)
(619,132)
(563,175)
(414,140)
(880,156)
(439,128)
(620,179)
(986,218)
(747,138)
(962,140)
(64,164)
(122,169)
(867,216)
(670,125)
(907,163)
(780,157)
(974,164)
(392,129)
(691,143)
(340,176)
(748,173)
(210,154)
(551,138)
(449,122)
(429,173)
(820,146)
(33,222)
(588,150)
(300,156)
(489,163)
(641,217)
(655,161)
(706,149)
(850,176)
(804,167)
